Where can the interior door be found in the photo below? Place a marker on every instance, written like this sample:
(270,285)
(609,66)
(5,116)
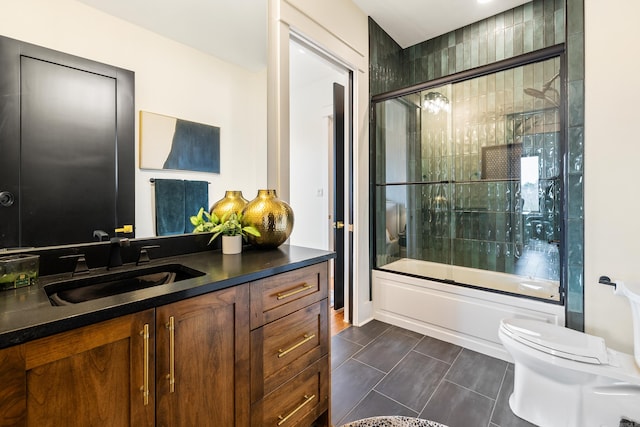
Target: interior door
(338,195)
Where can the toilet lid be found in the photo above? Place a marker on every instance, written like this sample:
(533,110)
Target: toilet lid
(557,341)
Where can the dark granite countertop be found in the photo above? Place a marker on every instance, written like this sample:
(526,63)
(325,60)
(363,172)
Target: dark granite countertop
(27,314)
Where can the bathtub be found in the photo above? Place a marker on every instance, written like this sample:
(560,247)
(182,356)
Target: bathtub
(461,315)
(491,280)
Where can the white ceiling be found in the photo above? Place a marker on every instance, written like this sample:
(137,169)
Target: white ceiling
(236,30)
(232,30)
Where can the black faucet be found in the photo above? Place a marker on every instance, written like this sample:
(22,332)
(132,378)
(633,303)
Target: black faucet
(100,236)
(79,264)
(115,253)
(116,243)
(143,255)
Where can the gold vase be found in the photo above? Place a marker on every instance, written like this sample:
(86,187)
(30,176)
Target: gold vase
(231,202)
(271,216)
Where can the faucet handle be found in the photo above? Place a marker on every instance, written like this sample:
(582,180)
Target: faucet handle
(143,256)
(80,266)
(100,235)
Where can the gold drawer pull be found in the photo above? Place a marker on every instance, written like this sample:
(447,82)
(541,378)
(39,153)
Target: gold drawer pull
(303,287)
(307,399)
(145,374)
(306,337)
(171,376)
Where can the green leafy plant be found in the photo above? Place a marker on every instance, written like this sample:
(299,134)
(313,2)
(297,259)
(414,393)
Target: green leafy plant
(203,222)
(229,225)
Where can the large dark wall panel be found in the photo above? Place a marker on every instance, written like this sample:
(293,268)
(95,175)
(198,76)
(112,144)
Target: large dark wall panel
(66,147)
(68,153)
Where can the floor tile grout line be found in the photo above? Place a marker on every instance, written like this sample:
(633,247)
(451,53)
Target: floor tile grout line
(363,345)
(420,338)
(365,396)
(440,382)
(394,400)
(348,340)
(493,410)
(465,388)
(351,356)
(474,391)
(361,349)
(393,367)
(384,374)
(369,366)
(373,388)
(436,358)
(397,363)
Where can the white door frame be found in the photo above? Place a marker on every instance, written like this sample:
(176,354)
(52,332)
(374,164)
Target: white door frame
(293,17)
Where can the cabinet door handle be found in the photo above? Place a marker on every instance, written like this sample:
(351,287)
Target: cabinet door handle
(307,399)
(172,354)
(145,367)
(306,338)
(302,287)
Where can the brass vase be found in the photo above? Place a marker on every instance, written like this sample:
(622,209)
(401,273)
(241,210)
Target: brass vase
(271,216)
(231,202)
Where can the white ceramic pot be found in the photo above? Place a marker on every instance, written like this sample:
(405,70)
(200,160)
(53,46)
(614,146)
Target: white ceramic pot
(231,244)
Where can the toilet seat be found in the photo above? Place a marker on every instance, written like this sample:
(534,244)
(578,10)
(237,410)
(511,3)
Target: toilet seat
(557,340)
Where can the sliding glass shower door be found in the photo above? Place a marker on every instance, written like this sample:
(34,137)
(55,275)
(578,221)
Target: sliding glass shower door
(468,181)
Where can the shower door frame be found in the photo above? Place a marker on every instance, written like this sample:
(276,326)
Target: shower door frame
(556,51)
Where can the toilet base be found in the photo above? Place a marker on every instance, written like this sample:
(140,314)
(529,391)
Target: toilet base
(545,402)
(558,397)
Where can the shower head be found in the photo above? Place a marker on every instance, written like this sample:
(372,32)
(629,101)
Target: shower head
(542,94)
(535,93)
(547,85)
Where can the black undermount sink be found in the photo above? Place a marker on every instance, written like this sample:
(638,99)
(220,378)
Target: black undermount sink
(88,288)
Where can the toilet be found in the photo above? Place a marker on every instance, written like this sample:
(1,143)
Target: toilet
(566,378)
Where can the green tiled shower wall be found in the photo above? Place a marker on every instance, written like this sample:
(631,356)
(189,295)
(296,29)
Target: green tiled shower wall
(532,26)
(489,114)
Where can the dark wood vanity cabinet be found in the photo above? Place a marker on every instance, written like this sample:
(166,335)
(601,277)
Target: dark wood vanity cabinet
(183,364)
(90,376)
(290,381)
(202,360)
(13,387)
(254,354)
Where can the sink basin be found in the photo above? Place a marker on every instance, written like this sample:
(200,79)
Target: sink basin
(93,287)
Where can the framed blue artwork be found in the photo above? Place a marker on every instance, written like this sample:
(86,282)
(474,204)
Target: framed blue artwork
(170,143)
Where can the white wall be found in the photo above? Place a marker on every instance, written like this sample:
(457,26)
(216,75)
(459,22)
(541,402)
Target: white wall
(170,79)
(311,98)
(612,156)
(309,164)
(340,28)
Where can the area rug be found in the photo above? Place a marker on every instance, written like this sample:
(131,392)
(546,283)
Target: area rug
(393,421)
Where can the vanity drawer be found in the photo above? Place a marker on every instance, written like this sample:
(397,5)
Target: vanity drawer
(283,348)
(275,297)
(298,402)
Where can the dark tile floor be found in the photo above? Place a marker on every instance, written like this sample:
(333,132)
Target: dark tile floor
(380,369)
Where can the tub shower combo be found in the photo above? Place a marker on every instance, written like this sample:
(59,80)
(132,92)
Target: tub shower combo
(467,195)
